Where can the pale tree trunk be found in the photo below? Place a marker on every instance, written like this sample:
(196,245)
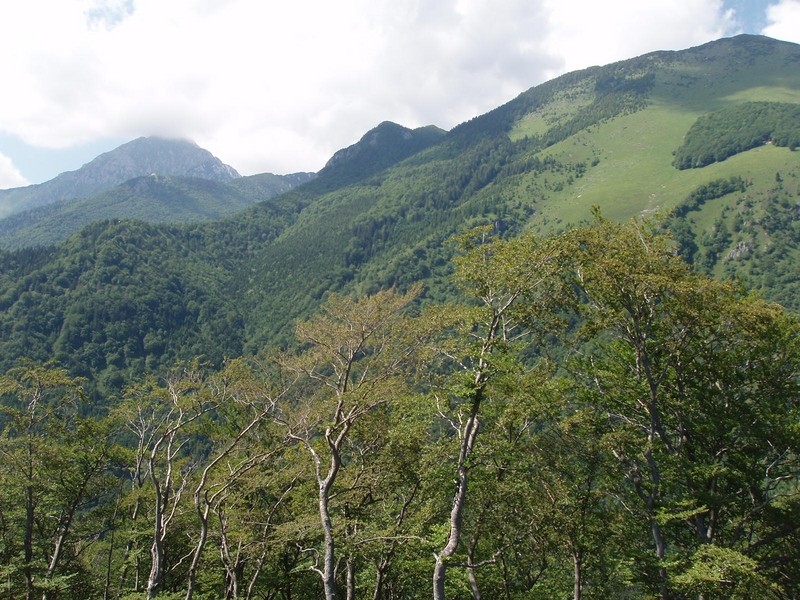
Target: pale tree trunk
(30,502)
(28,542)
(468,435)
(204,500)
(352,356)
(167,499)
(65,523)
(329,555)
(457,509)
(198,551)
(231,561)
(351,579)
(329,559)
(325,483)
(167,484)
(63,531)
(157,547)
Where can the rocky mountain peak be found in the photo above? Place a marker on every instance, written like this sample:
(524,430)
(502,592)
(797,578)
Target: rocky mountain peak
(148,155)
(138,158)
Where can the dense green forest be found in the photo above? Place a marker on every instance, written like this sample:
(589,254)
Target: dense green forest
(722,134)
(153,199)
(120,299)
(594,419)
(430,371)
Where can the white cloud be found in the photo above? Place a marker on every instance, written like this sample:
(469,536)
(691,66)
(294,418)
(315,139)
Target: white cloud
(783,21)
(279,87)
(9,175)
(108,13)
(597,33)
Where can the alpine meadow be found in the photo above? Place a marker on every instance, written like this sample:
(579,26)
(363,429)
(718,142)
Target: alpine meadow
(553,352)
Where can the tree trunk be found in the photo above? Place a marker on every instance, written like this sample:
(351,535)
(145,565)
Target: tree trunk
(63,530)
(329,560)
(577,575)
(156,557)
(457,510)
(377,593)
(198,551)
(351,579)
(473,580)
(27,569)
(157,547)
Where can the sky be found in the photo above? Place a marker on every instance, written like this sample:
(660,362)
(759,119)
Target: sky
(278,87)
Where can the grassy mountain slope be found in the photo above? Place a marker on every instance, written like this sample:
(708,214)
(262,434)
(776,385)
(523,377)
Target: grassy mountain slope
(153,198)
(602,136)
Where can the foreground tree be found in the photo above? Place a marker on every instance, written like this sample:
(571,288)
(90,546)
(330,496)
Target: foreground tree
(164,418)
(242,443)
(55,462)
(701,385)
(355,356)
(517,286)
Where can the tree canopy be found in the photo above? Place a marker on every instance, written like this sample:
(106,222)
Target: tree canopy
(591,418)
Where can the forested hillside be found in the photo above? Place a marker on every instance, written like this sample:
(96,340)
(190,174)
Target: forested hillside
(423,374)
(381,212)
(394,452)
(736,129)
(153,199)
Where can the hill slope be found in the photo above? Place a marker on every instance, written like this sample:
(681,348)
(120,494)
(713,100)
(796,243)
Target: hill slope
(603,136)
(153,198)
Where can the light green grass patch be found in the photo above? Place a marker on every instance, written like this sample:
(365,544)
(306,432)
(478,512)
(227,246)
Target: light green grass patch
(634,174)
(565,105)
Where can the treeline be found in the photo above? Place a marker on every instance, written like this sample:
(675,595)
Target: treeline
(401,449)
(710,191)
(724,133)
(752,240)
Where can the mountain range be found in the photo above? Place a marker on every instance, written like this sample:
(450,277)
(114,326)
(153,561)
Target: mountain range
(154,179)
(137,158)
(119,297)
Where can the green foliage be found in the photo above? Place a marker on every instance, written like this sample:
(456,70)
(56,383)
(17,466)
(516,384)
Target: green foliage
(710,191)
(655,455)
(695,381)
(724,573)
(381,214)
(55,477)
(674,410)
(727,132)
(152,199)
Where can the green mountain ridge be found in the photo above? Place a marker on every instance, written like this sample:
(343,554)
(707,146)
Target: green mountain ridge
(604,136)
(380,148)
(151,198)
